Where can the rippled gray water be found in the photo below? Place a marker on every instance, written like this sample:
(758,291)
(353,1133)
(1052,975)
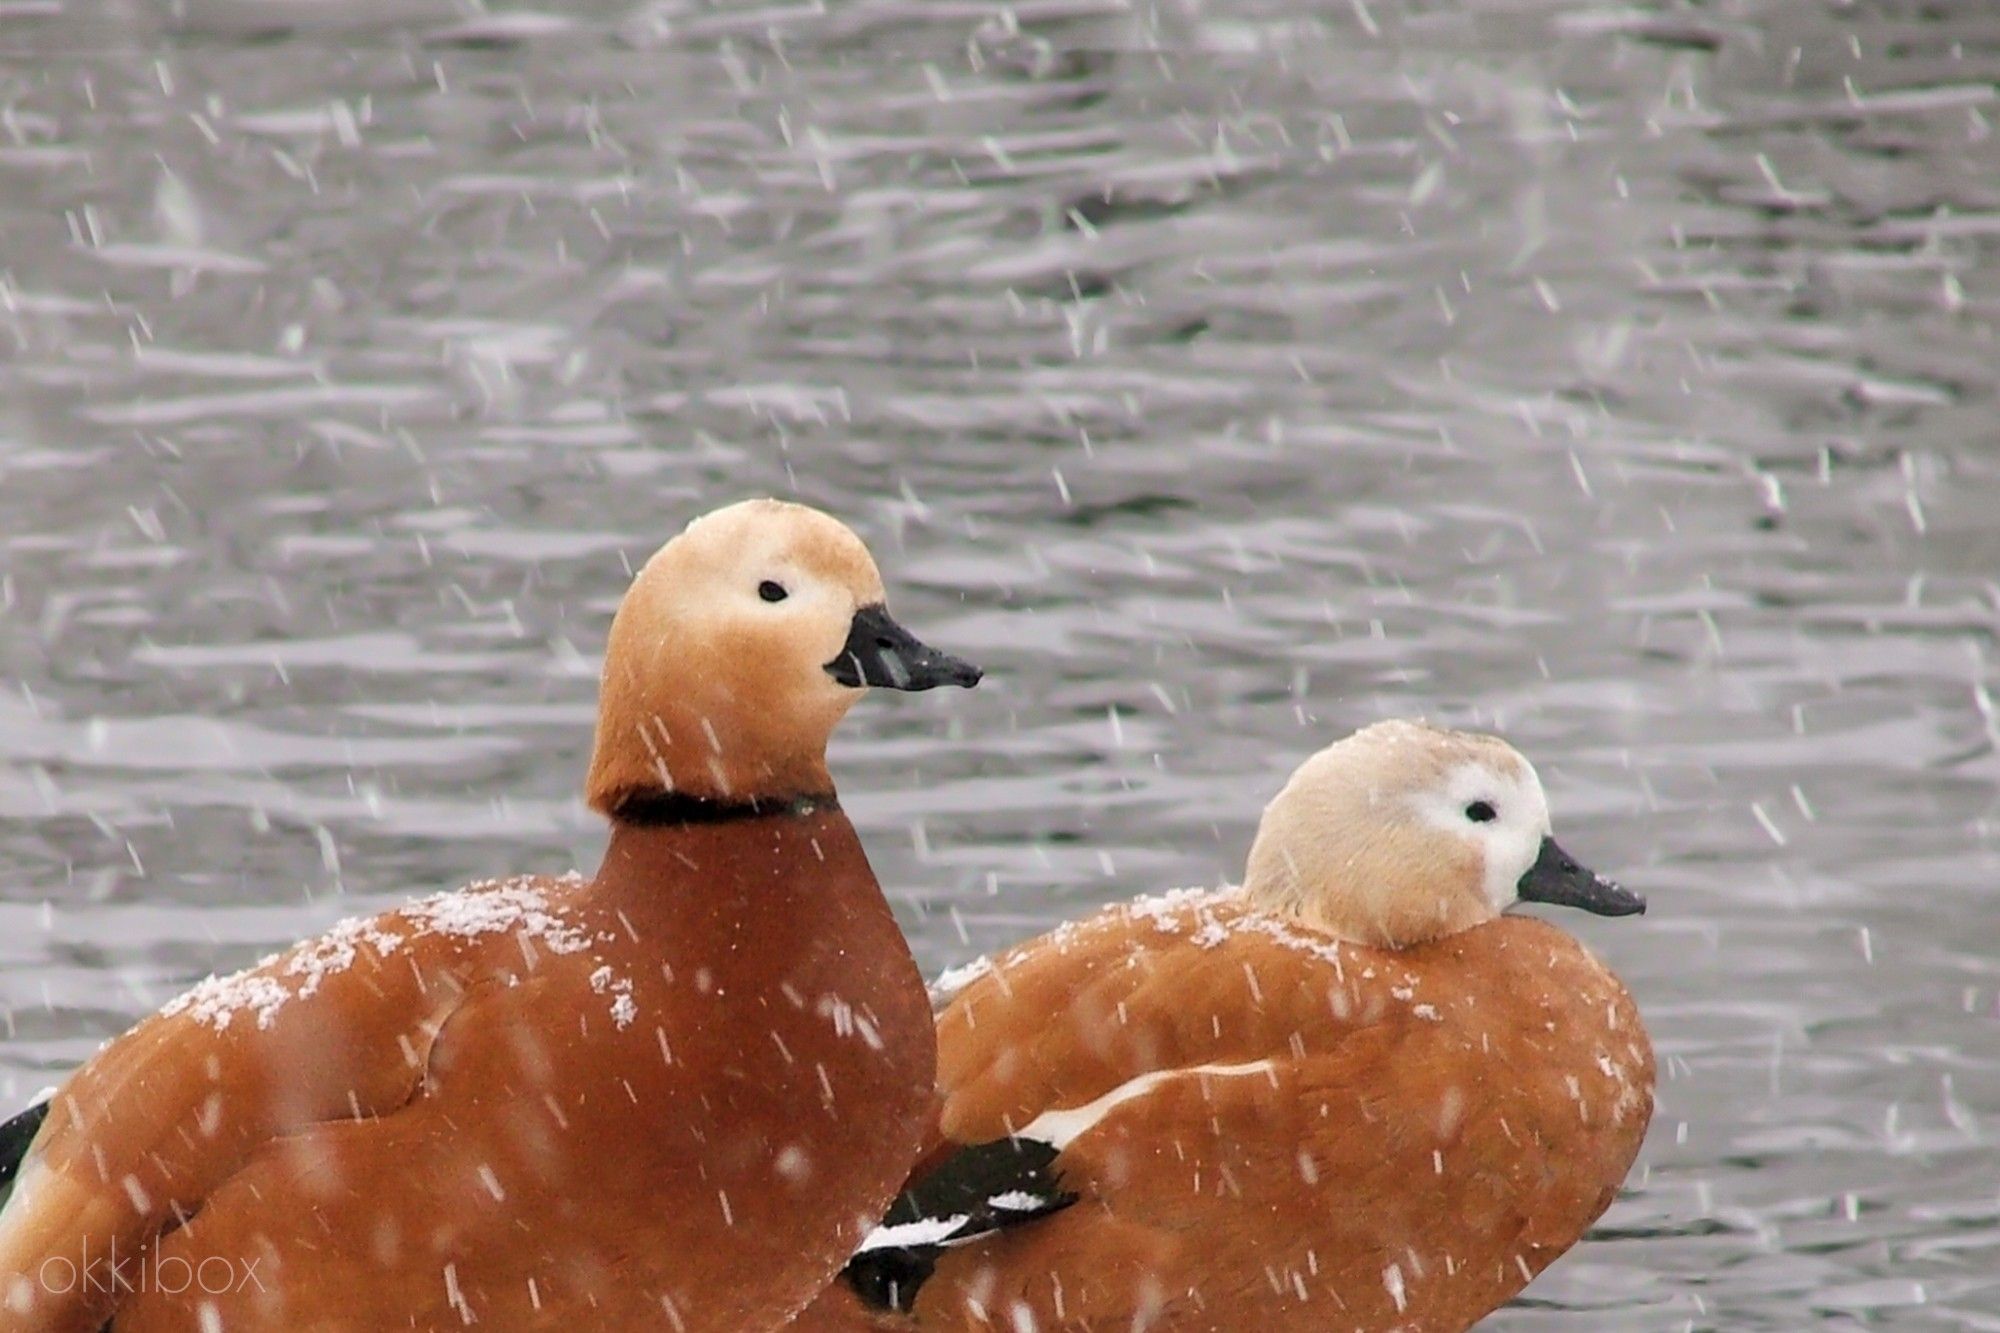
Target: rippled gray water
(1220,375)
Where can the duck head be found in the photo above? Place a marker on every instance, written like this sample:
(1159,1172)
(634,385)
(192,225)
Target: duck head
(1405,832)
(739,647)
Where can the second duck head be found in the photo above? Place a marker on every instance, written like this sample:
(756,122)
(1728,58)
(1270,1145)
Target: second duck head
(1405,832)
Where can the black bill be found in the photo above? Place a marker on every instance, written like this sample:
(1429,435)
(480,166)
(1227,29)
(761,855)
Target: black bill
(881,652)
(1555,877)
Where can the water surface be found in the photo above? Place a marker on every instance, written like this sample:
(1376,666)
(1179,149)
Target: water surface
(1220,375)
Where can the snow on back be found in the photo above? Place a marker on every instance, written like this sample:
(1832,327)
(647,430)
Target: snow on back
(335,951)
(517,906)
(955,979)
(1167,910)
(607,982)
(1192,913)
(1210,918)
(218,1000)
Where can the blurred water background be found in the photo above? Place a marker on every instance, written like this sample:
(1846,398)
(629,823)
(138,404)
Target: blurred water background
(1220,375)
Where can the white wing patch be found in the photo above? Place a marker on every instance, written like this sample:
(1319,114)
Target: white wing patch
(1061,1128)
(923,1231)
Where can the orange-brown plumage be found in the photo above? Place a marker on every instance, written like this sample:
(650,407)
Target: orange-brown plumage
(672,1095)
(725,724)
(1274,1200)
(1388,1138)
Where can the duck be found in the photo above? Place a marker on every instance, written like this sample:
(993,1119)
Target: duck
(1357,1092)
(671,1095)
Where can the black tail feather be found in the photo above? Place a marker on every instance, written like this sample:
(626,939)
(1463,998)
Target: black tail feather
(15,1136)
(979,1190)
(889,1279)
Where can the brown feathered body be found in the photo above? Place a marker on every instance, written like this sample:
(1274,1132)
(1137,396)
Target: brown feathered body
(1388,1139)
(636,1099)
(671,1096)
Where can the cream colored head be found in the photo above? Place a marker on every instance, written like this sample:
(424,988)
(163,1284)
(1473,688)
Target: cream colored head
(1405,832)
(719,678)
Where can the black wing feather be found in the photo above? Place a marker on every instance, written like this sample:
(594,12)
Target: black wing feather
(981,1189)
(15,1137)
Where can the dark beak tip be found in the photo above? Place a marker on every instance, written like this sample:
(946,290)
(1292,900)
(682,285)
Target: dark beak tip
(1617,900)
(1556,878)
(880,652)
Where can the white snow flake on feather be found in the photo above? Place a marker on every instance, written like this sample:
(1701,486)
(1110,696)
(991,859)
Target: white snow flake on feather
(518,906)
(218,1000)
(1164,909)
(955,979)
(1630,1096)
(1392,1282)
(1323,947)
(514,905)
(1210,918)
(336,951)
(1191,913)
(623,1009)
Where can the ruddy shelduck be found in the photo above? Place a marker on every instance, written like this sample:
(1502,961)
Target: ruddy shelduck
(673,1095)
(1350,1095)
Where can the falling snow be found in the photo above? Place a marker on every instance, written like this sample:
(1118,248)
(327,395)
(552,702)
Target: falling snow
(1679,468)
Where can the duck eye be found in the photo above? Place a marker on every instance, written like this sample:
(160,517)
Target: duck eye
(772,592)
(1481,812)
